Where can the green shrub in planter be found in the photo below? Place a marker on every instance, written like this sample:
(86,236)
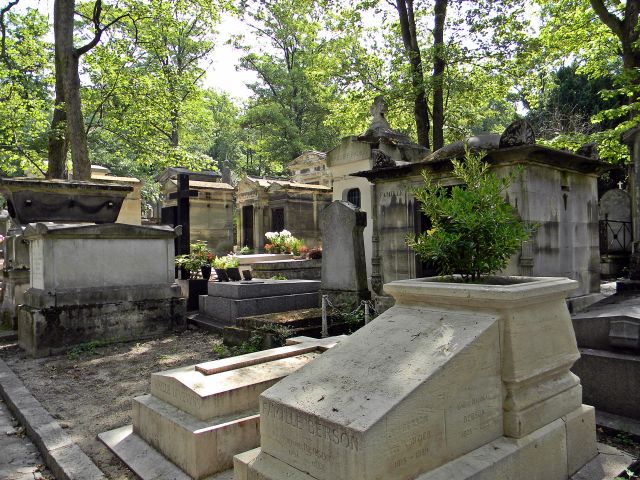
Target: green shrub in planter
(474,230)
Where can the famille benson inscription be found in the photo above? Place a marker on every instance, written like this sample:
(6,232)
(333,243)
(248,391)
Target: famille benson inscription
(310,425)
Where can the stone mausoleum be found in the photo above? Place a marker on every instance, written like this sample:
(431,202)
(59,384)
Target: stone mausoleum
(269,205)
(210,206)
(555,190)
(377,147)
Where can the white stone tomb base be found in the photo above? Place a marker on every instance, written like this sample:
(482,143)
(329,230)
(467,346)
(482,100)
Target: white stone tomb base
(455,381)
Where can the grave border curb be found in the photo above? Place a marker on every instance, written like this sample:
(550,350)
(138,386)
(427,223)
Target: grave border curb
(63,457)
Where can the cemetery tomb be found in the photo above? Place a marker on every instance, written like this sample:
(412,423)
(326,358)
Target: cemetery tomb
(344,273)
(454,381)
(110,282)
(379,145)
(228,301)
(553,189)
(200,416)
(268,205)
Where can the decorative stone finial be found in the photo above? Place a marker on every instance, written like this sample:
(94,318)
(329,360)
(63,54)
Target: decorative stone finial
(518,133)
(378,111)
(379,127)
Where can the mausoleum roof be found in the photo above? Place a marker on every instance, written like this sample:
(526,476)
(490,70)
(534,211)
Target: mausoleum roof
(112,178)
(205,185)
(519,154)
(172,172)
(267,183)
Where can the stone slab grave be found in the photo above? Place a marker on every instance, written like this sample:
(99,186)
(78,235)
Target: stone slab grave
(228,301)
(198,417)
(109,282)
(305,322)
(608,334)
(456,381)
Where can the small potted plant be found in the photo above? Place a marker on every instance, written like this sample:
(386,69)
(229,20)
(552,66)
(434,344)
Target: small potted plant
(205,268)
(231,266)
(219,265)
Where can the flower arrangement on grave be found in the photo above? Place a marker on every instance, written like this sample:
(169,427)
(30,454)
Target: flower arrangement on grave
(474,230)
(282,242)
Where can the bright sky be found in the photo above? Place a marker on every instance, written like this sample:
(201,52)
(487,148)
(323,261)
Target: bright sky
(221,73)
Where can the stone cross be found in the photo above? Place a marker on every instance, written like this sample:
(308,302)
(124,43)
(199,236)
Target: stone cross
(379,109)
(620,185)
(182,214)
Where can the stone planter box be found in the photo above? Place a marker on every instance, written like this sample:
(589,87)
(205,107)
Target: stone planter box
(31,200)
(460,381)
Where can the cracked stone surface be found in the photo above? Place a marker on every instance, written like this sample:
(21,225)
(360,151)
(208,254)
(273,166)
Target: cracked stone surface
(19,458)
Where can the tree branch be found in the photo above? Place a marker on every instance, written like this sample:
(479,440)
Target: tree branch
(609,19)
(3,28)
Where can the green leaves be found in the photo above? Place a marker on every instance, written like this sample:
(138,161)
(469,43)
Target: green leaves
(474,231)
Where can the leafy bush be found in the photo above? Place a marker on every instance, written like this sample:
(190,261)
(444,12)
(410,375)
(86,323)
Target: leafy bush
(199,255)
(475,231)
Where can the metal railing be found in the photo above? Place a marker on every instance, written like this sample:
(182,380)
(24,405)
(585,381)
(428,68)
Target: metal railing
(615,236)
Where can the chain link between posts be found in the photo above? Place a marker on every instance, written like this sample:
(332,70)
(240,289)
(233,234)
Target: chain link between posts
(365,309)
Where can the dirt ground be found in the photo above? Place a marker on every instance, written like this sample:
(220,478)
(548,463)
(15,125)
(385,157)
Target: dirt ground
(90,391)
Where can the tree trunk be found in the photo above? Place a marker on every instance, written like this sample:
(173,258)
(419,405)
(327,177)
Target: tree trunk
(70,57)
(410,40)
(57,136)
(175,125)
(440,11)
(626,29)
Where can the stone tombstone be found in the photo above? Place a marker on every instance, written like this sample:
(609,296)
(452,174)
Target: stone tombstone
(344,271)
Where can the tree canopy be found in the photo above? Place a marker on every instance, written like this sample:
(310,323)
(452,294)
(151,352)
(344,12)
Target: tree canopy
(448,69)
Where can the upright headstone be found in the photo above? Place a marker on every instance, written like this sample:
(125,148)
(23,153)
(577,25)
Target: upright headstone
(344,270)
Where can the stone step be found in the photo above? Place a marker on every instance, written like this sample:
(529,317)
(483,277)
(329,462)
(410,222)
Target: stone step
(295,346)
(229,309)
(207,323)
(198,448)
(226,392)
(238,335)
(262,288)
(306,317)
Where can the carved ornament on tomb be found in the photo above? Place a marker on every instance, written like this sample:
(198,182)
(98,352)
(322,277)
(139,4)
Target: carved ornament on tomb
(381,159)
(517,134)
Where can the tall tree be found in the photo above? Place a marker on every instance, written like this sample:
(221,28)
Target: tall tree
(146,99)
(68,80)
(289,104)
(439,64)
(409,32)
